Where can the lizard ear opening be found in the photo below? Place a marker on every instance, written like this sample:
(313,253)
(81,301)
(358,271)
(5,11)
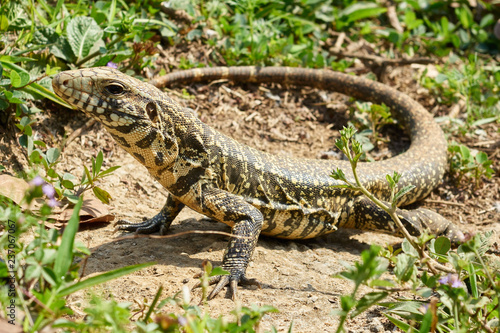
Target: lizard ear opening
(151,110)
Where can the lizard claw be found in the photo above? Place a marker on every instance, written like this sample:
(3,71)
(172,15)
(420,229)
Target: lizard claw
(150,226)
(223,280)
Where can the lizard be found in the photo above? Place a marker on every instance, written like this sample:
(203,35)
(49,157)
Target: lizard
(252,191)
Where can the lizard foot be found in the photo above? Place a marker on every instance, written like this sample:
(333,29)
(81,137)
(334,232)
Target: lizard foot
(150,226)
(223,280)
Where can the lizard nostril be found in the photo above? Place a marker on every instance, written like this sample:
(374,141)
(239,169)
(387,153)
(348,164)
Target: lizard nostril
(65,82)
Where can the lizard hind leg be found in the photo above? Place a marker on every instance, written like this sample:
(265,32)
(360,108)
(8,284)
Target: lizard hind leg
(363,214)
(160,222)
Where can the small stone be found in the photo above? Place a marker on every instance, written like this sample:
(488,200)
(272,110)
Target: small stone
(376,325)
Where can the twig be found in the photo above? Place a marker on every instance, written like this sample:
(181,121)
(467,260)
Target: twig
(175,14)
(339,42)
(198,232)
(393,18)
(378,65)
(381,61)
(446,202)
(79,131)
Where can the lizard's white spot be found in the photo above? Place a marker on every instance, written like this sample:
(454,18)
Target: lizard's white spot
(114,117)
(99,110)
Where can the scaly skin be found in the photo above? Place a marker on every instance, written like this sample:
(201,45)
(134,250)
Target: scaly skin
(250,190)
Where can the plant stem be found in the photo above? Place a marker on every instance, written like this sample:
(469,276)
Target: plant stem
(96,53)
(431,263)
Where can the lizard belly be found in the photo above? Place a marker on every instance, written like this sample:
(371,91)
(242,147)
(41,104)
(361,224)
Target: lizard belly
(295,221)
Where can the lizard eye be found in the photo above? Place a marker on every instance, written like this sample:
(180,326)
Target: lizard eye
(115,89)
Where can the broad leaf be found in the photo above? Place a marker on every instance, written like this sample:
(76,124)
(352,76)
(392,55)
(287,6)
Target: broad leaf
(83,34)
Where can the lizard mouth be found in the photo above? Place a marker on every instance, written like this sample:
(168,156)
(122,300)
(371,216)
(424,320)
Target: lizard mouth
(79,93)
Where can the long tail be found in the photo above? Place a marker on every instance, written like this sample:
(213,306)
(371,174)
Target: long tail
(423,164)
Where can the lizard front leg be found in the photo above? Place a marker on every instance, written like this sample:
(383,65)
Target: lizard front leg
(246,222)
(160,222)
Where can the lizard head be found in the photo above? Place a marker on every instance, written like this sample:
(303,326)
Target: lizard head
(116,100)
(127,107)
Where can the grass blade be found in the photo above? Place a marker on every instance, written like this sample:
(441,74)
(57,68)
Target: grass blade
(101,278)
(65,251)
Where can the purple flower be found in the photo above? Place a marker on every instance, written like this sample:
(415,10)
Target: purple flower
(444,279)
(49,191)
(451,280)
(182,321)
(53,203)
(112,65)
(455,281)
(37,181)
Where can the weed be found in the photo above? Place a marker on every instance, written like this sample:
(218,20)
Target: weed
(463,162)
(465,298)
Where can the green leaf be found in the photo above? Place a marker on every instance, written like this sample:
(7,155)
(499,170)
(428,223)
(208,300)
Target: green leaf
(25,121)
(11,98)
(218,271)
(465,16)
(391,181)
(346,303)
(83,34)
(68,184)
(403,191)
(15,79)
(473,280)
(4,22)
(65,251)
(426,324)
(464,152)
(87,173)
(39,143)
(405,267)
(361,10)
(399,323)
(409,249)
(36,88)
(367,301)
(481,157)
(338,174)
(484,121)
(52,155)
(108,171)
(35,157)
(14,59)
(381,283)
(98,163)
(442,245)
(101,194)
(102,278)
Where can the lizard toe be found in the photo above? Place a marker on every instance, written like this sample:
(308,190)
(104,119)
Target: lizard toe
(147,227)
(222,281)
